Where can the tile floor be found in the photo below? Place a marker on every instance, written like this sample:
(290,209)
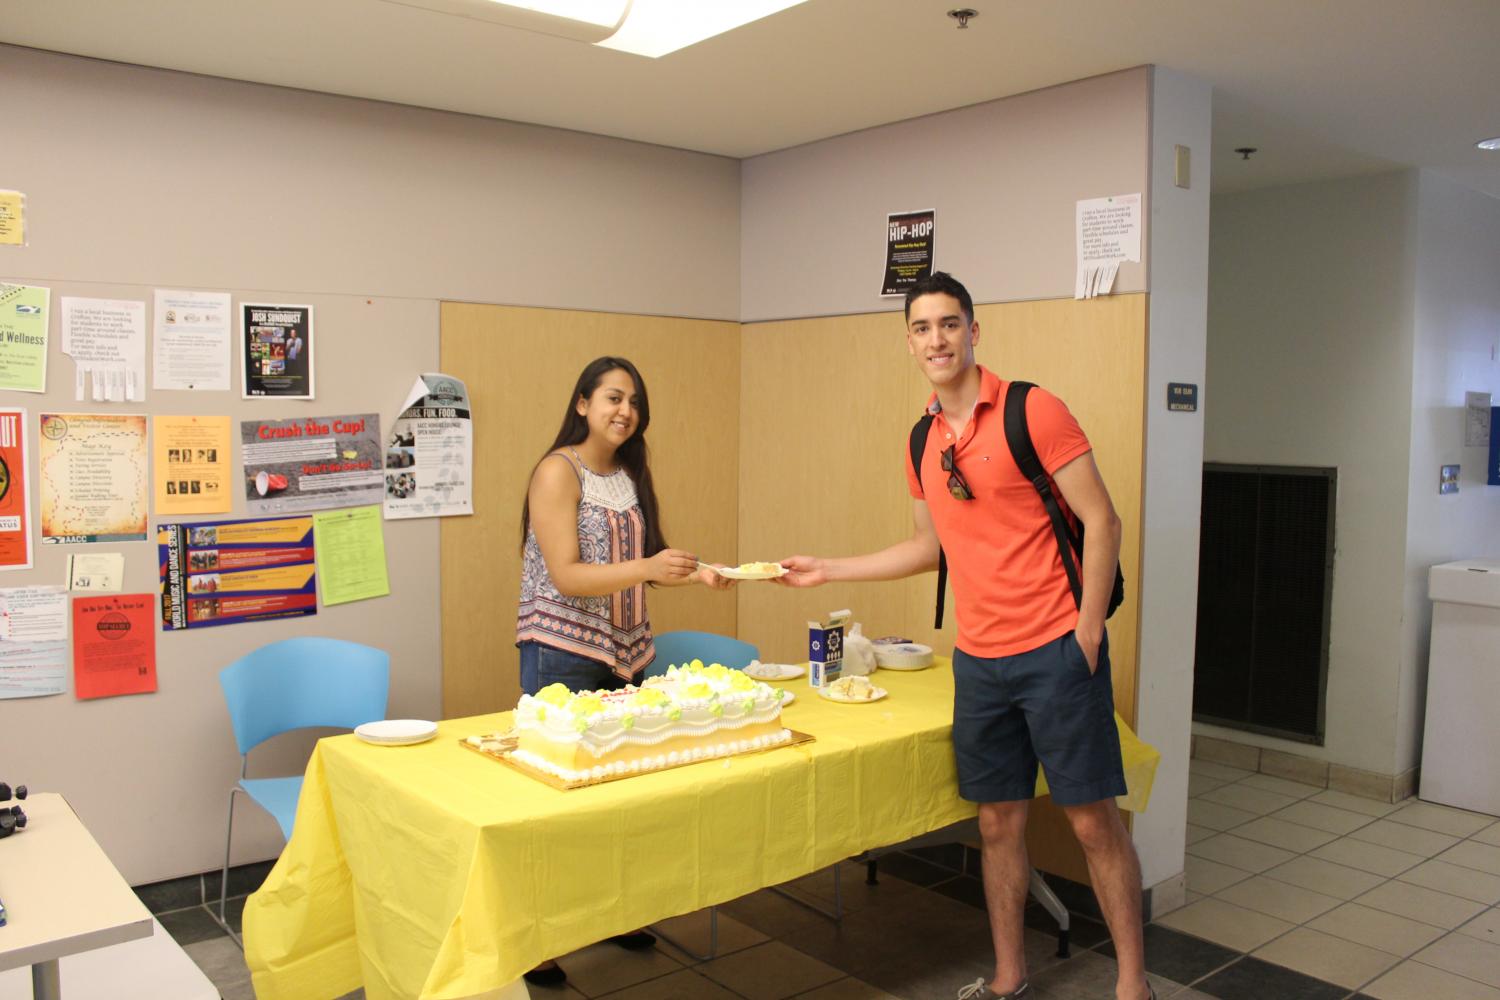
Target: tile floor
(1294,893)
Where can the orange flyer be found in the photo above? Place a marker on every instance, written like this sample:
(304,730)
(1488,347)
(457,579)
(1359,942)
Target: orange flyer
(114,645)
(15,496)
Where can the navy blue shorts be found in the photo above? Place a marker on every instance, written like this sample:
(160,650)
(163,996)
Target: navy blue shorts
(1009,712)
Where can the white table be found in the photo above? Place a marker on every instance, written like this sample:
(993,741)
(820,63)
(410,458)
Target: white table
(62,895)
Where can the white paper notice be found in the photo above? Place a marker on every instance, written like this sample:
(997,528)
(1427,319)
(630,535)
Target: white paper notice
(33,614)
(192,346)
(1476,419)
(107,340)
(1109,233)
(99,572)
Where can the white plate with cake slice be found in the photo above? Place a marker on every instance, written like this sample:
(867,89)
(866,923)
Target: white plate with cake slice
(774,671)
(753,571)
(396,732)
(852,691)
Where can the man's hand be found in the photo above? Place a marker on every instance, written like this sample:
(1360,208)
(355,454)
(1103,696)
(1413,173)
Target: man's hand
(803,571)
(708,576)
(1089,638)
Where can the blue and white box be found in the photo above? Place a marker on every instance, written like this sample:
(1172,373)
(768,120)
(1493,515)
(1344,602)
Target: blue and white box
(825,649)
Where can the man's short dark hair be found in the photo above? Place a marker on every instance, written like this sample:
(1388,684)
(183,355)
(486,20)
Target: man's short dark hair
(941,282)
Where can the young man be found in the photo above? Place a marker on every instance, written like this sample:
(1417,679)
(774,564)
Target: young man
(1031,666)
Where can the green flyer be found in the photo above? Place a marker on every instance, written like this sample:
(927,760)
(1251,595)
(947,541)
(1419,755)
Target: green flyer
(23,337)
(351,554)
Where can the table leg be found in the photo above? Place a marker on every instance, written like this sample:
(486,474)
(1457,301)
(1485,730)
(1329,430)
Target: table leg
(46,981)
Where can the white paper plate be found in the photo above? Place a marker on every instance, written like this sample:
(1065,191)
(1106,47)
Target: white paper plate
(736,573)
(774,671)
(790,697)
(903,656)
(880,693)
(397,732)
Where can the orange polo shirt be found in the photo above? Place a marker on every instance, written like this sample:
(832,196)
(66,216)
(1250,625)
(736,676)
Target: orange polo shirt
(1009,585)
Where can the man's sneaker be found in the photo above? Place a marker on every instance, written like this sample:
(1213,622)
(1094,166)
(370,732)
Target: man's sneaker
(980,990)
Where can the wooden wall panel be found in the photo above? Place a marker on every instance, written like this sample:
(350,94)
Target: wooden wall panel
(825,411)
(520,365)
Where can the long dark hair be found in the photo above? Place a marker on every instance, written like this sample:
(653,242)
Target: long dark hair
(632,455)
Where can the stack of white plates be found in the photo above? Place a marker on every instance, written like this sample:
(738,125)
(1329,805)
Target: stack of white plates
(903,656)
(396,732)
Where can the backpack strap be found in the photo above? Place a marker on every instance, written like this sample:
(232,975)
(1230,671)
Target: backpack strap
(917,443)
(1018,437)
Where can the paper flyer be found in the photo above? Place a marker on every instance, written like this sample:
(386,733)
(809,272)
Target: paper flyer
(192,465)
(15,492)
(223,572)
(12,219)
(106,339)
(192,345)
(1108,234)
(429,459)
(351,555)
(311,463)
(114,646)
(276,351)
(92,470)
(97,572)
(33,642)
(23,337)
(909,247)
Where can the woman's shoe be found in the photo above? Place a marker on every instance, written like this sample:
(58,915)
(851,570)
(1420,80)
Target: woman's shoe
(635,940)
(550,974)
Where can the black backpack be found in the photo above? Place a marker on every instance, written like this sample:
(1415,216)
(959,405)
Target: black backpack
(1018,437)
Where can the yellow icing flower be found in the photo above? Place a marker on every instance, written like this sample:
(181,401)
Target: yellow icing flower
(717,672)
(649,696)
(696,666)
(697,689)
(554,694)
(586,704)
(741,681)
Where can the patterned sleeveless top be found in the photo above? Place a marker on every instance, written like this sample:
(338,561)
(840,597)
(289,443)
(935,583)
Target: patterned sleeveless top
(612,629)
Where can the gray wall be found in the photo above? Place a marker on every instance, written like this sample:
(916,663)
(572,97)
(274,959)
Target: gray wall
(139,178)
(1457,350)
(1310,353)
(1002,176)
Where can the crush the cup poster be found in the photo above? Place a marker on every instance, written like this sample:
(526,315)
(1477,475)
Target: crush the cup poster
(223,572)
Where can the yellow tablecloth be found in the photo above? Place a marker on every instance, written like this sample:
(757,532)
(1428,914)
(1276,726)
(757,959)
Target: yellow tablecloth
(432,872)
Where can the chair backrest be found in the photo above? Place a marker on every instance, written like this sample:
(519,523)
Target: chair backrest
(302,682)
(676,648)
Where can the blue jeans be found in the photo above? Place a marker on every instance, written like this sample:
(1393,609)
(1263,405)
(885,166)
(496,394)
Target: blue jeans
(543,665)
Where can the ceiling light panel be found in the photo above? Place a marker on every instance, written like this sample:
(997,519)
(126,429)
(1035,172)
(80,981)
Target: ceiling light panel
(657,27)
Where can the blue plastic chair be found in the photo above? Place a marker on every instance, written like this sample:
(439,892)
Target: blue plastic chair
(294,684)
(673,649)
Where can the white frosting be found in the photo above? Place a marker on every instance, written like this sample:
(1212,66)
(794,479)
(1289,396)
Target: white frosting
(734,700)
(600,772)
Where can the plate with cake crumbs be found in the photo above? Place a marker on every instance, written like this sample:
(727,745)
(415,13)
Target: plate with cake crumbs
(852,691)
(753,571)
(774,671)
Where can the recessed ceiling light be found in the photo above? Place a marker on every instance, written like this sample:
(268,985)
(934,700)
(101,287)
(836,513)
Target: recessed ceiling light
(1490,144)
(656,27)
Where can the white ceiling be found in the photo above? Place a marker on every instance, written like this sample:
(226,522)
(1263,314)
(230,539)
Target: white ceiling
(1324,88)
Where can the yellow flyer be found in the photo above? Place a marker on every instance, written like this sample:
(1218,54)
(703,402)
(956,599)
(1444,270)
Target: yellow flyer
(23,337)
(12,219)
(91,468)
(192,465)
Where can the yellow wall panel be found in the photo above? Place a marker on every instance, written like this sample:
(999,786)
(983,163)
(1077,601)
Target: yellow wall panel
(520,365)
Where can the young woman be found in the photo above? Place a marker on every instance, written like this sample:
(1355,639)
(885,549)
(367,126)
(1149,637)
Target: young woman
(591,541)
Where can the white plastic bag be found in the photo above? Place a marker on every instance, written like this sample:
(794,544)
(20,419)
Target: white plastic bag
(859,653)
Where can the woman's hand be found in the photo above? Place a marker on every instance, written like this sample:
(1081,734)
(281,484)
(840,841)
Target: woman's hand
(670,566)
(709,577)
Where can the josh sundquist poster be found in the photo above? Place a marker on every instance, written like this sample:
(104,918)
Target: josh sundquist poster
(277,351)
(222,572)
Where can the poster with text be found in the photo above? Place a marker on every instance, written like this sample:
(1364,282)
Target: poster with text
(114,646)
(312,463)
(15,496)
(92,470)
(33,641)
(23,337)
(191,346)
(276,353)
(223,572)
(909,239)
(192,465)
(429,456)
